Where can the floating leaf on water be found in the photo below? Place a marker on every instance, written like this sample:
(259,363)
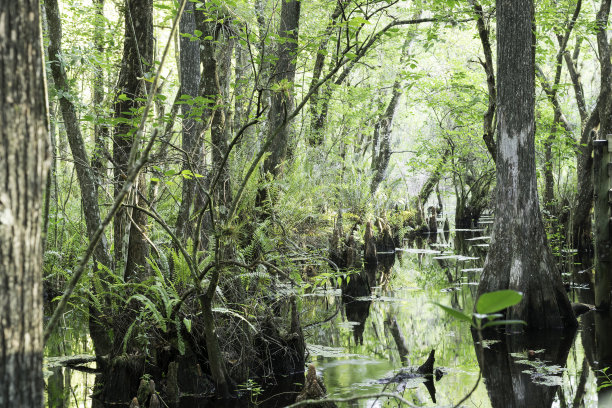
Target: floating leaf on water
(467,258)
(472,270)
(327,351)
(380,299)
(324,292)
(418,251)
(445,290)
(348,324)
(488,343)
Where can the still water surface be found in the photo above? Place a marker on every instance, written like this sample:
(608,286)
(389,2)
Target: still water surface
(352,340)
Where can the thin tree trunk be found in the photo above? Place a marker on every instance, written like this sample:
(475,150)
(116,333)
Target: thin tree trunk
(24,160)
(316,137)
(559,118)
(278,132)
(101,135)
(190,85)
(283,76)
(488,123)
(519,257)
(381,146)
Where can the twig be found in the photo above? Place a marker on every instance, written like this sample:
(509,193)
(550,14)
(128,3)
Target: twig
(351,399)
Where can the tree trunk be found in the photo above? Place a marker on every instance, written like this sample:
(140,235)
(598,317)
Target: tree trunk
(101,135)
(381,147)
(136,62)
(601,184)
(190,85)
(316,137)
(488,123)
(519,257)
(24,159)
(85,173)
(283,77)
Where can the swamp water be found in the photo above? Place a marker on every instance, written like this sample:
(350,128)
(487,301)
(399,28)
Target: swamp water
(353,341)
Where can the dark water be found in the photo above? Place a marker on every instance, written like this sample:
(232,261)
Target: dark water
(351,339)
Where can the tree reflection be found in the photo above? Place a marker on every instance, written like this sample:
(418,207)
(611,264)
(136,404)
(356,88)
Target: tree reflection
(523,370)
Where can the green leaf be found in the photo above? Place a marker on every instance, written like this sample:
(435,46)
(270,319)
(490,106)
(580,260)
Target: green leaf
(503,323)
(187,323)
(455,313)
(499,300)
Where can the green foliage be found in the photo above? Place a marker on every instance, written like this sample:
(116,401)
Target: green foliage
(606,379)
(487,306)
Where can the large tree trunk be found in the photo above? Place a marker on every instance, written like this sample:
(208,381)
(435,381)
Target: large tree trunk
(519,257)
(136,62)
(24,158)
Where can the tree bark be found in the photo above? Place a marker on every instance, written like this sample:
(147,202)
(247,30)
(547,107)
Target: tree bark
(24,159)
(283,77)
(601,184)
(136,62)
(101,129)
(190,85)
(519,257)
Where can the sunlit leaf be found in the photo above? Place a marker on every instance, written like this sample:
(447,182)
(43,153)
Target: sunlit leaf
(499,300)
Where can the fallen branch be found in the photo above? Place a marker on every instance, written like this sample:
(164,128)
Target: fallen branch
(306,403)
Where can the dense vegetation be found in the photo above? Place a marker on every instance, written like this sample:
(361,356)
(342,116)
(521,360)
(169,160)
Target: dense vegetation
(212,160)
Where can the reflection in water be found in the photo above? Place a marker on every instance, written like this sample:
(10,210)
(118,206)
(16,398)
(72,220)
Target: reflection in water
(358,335)
(523,370)
(597,342)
